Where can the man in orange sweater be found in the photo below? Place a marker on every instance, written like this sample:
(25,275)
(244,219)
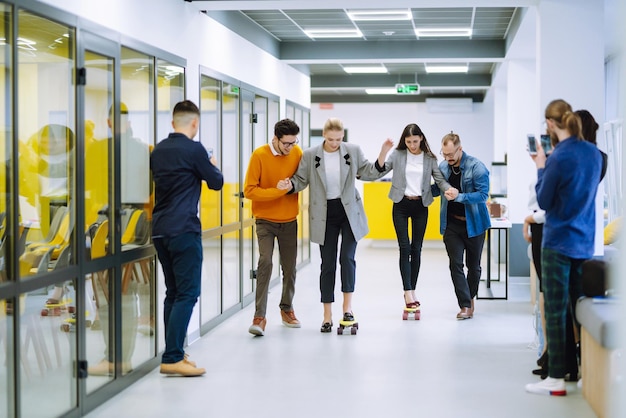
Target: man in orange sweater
(268,185)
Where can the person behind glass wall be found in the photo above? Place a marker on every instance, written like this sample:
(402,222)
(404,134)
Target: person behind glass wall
(46,165)
(135,294)
(267,185)
(413,165)
(179,165)
(135,197)
(464,219)
(336,209)
(567,184)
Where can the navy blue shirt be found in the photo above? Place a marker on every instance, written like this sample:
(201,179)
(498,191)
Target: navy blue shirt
(178,167)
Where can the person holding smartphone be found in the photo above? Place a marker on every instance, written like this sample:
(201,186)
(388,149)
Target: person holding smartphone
(567,184)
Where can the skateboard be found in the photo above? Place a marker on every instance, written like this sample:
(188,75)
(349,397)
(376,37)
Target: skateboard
(411,313)
(54,309)
(344,326)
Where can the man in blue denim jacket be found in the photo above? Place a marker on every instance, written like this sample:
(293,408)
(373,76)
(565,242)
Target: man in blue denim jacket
(464,219)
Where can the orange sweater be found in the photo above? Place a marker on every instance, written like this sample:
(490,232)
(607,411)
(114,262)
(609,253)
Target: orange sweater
(264,171)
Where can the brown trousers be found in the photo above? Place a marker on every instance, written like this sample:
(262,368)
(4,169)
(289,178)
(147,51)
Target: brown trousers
(287,235)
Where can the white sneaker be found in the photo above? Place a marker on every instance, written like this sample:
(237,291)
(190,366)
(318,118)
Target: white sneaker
(580,384)
(550,386)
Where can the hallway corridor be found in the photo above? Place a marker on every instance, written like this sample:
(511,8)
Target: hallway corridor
(437,367)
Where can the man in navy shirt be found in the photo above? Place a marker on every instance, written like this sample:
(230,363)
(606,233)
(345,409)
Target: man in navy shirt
(179,165)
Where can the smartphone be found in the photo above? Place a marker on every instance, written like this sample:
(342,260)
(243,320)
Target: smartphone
(210,152)
(546,144)
(532,144)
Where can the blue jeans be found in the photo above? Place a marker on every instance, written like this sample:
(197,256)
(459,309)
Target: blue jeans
(457,242)
(337,224)
(181,259)
(410,251)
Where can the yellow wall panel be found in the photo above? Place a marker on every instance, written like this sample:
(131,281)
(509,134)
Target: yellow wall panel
(378,208)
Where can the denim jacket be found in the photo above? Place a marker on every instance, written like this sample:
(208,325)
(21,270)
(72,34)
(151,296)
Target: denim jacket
(473,194)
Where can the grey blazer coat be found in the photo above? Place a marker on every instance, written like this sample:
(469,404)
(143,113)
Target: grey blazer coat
(311,172)
(397,163)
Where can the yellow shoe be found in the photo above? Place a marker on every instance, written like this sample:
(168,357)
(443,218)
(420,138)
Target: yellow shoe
(182,368)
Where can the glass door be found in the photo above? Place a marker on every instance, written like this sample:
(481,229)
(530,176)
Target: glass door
(103,351)
(248,121)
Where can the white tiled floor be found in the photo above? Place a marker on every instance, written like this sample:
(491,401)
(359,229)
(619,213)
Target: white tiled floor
(437,367)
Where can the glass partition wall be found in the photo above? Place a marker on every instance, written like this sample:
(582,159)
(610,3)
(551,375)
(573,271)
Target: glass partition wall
(81,289)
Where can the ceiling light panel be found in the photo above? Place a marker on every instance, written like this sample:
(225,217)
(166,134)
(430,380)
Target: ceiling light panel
(381,90)
(431,69)
(443,32)
(365,69)
(370,15)
(333,33)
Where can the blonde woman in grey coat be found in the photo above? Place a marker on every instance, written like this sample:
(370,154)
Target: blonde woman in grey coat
(331,170)
(413,165)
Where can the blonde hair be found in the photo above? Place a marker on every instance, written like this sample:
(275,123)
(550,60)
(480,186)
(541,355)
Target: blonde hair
(564,117)
(451,137)
(332,124)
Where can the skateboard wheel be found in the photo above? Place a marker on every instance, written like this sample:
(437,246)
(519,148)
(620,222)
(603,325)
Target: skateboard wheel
(353,331)
(88,323)
(71,309)
(65,327)
(339,331)
(44,312)
(417,315)
(405,316)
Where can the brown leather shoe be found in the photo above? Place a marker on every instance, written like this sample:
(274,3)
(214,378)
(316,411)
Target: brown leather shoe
(258,326)
(464,314)
(182,368)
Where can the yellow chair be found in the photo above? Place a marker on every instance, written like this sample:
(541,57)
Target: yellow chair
(99,249)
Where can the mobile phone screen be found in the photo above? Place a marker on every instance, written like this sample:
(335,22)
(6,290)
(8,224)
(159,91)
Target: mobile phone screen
(546,144)
(532,144)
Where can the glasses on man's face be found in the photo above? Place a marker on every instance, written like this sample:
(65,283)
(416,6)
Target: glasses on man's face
(449,155)
(289,144)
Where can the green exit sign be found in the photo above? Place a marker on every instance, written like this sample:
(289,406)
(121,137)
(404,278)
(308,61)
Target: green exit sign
(408,88)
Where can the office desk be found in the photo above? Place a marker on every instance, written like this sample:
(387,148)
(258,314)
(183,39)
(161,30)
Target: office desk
(499,226)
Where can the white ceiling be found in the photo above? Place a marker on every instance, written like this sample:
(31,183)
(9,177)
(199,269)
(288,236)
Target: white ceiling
(277,26)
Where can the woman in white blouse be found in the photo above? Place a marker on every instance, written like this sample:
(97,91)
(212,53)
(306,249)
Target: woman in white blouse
(413,165)
(336,209)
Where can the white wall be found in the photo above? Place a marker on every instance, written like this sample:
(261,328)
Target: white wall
(369,124)
(180,29)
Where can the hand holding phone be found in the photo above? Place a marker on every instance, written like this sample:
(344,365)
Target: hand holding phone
(210,152)
(532,144)
(546,144)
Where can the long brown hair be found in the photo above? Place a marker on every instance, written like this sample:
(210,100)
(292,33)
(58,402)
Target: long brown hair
(411,130)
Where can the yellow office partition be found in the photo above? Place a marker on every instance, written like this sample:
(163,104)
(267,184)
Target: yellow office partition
(378,208)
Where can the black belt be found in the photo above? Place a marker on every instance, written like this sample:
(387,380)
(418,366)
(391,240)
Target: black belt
(413,197)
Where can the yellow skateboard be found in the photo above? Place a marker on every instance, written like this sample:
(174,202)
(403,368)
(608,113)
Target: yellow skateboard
(344,326)
(411,313)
